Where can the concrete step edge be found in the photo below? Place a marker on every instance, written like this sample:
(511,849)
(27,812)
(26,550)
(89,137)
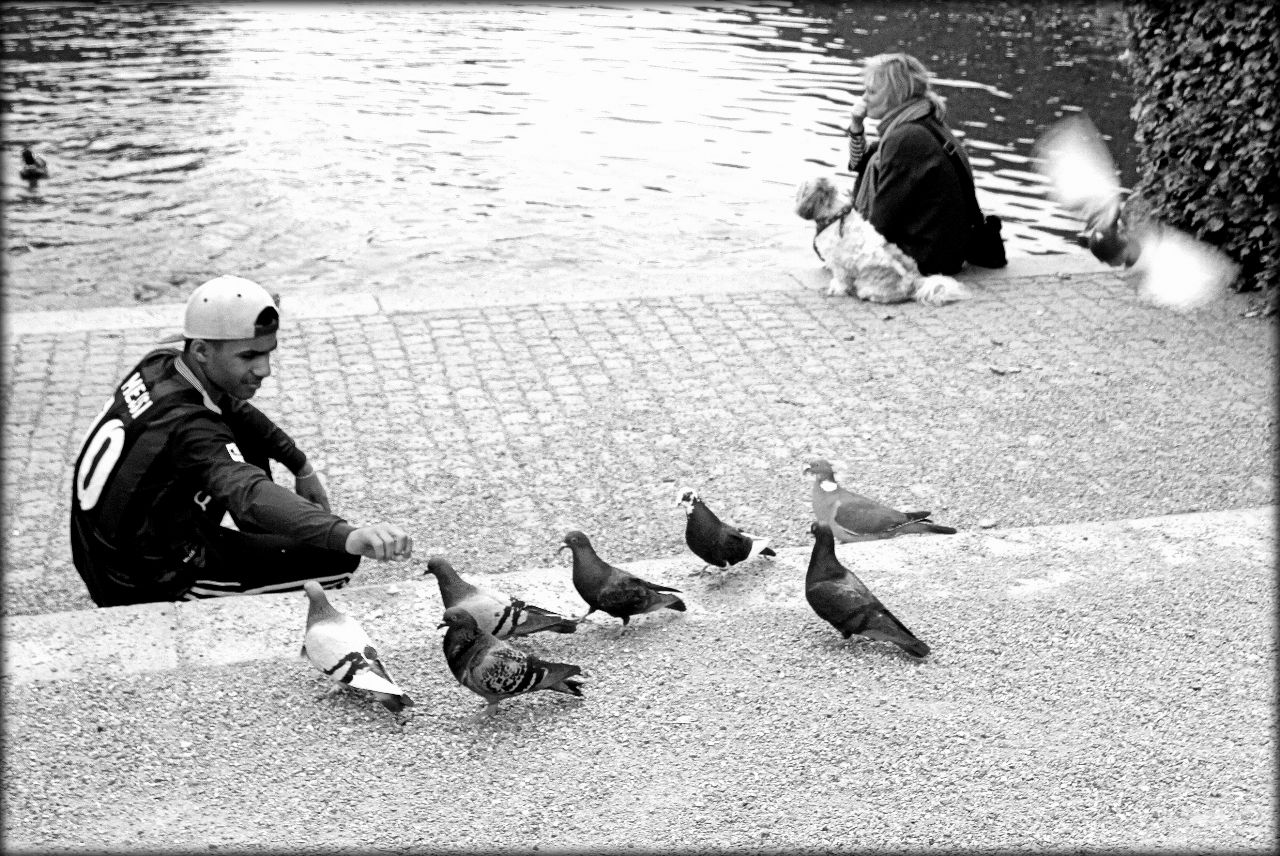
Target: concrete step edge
(162,636)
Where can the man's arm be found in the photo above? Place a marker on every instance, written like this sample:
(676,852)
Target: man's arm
(205,448)
(270,440)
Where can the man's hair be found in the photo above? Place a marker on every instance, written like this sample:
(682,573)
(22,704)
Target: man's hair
(905,78)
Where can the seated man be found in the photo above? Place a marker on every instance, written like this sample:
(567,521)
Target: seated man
(178,449)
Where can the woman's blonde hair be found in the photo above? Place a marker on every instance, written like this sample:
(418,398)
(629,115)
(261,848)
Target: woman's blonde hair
(905,78)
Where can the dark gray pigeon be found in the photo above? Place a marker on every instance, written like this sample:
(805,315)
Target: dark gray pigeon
(714,541)
(613,590)
(839,597)
(495,612)
(34,168)
(494,669)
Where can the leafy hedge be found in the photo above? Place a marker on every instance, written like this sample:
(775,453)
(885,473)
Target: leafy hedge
(1207,78)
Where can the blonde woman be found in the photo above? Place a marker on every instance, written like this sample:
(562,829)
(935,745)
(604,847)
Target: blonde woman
(909,185)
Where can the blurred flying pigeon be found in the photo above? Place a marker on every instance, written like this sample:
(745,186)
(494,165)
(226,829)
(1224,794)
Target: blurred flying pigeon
(495,613)
(1171,268)
(613,590)
(337,645)
(494,669)
(853,517)
(33,168)
(714,541)
(839,597)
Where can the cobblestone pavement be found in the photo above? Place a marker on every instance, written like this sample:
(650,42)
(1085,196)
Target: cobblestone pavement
(489,430)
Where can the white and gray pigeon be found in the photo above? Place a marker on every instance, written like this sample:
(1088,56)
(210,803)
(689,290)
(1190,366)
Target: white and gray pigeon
(1170,268)
(494,612)
(854,517)
(338,646)
(613,590)
(494,669)
(714,541)
(837,595)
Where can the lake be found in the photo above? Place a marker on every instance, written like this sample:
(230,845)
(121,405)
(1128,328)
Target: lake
(356,146)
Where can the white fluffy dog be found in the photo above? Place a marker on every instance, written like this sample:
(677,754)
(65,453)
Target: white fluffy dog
(861,261)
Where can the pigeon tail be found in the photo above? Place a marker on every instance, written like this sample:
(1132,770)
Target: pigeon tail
(925,527)
(394,703)
(916,648)
(537,620)
(561,678)
(570,686)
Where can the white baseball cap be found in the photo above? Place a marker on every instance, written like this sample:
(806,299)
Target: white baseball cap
(229,307)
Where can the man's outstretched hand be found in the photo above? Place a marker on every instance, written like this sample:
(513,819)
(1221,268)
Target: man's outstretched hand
(381,541)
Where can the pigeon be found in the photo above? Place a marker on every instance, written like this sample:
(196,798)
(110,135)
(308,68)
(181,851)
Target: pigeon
(714,541)
(337,645)
(613,590)
(1170,268)
(33,168)
(495,613)
(494,669)
(853,517)
(841,599)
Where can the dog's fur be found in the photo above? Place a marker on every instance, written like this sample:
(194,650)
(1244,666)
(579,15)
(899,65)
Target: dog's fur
(862,263)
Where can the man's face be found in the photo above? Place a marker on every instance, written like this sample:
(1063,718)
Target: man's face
(236,367)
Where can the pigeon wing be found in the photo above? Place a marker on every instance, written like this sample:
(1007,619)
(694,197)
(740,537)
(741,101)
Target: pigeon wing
(493,613)
(863,516)
(1178,272)
(341,649)
(840,603)
(624,595)
(852,609)
(1082,177)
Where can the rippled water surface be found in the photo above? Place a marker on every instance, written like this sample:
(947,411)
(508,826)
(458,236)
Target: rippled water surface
(358,145)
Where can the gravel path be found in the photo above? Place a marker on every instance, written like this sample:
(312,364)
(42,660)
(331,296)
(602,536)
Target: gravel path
(1092,688)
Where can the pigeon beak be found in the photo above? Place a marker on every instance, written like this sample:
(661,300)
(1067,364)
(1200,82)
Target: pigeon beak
(442,624)
(563,547)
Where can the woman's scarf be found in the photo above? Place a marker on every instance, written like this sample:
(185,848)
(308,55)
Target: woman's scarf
(908,111)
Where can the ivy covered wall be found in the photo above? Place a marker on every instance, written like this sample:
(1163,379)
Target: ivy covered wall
(1207,78)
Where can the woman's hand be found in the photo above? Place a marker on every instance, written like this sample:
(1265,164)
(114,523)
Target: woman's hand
(857,113)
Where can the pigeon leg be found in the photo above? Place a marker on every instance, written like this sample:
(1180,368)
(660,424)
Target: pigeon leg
(330,691)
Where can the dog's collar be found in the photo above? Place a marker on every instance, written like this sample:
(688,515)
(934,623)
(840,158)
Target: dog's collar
(823,223)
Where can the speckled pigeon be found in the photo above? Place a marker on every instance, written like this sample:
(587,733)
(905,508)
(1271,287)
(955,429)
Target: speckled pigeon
(337,645)
(839,597)
(494,612)
(853,517)
(714,541)
(613,590)
(494,669)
